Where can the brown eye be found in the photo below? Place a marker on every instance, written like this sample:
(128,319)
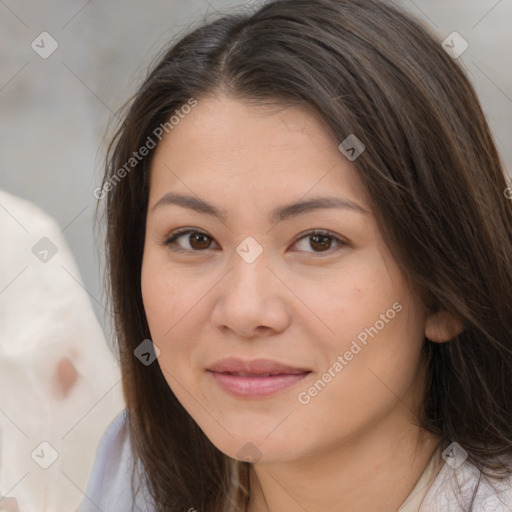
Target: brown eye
(196,241)
(319,242)
(199,241)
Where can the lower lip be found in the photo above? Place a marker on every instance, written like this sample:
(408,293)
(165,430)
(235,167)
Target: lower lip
(255,386)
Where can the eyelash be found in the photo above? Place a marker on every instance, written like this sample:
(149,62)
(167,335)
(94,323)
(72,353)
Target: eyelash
(170,241)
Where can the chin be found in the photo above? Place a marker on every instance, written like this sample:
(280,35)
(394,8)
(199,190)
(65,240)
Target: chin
(259,448)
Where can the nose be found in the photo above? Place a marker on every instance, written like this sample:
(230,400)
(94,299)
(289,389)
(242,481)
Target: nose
(252,301)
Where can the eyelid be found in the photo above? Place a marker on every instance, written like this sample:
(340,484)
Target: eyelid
(341,241)
(169,240)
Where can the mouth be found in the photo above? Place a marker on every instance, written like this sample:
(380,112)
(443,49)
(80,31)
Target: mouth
(243,374)
(256,378)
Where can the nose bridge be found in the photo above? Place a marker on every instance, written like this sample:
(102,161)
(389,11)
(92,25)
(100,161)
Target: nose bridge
(250,297)
(250,266)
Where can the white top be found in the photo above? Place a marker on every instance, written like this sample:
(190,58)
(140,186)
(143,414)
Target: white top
(450,486)
(109,488)
(437,489)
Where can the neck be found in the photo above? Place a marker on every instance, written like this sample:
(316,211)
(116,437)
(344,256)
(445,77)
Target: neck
(372,471)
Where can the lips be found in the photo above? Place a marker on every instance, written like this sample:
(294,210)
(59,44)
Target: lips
(255,367)
(254,379)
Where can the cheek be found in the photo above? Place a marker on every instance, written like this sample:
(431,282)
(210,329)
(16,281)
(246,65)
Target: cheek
(376,326)
(166,294)
(158,299)
(174,312)
(352,298)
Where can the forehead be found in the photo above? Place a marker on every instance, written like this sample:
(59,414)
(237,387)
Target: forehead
(231,148)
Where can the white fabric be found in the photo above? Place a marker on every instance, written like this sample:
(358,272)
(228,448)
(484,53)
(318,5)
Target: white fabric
(109,488)
(444,488)
(49,335)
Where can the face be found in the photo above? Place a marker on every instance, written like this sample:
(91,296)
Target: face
(235,271)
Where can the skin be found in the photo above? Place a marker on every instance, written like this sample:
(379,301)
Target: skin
(354,446)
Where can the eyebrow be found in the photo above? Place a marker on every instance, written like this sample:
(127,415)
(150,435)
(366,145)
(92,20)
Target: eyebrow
(277,215)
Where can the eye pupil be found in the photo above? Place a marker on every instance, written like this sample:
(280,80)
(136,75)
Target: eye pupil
(325,244)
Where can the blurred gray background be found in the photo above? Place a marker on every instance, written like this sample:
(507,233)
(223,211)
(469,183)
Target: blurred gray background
(54,112)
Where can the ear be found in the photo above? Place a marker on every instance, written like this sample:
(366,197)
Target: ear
(443,326)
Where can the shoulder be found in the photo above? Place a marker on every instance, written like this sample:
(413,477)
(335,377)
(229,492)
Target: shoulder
(109,488)
(459,485)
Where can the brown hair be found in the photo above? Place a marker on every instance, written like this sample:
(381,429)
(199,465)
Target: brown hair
(436,184)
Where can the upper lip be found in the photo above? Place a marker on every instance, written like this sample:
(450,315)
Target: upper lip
(254,367)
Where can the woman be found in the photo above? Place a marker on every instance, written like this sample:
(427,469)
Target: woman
(310,258)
